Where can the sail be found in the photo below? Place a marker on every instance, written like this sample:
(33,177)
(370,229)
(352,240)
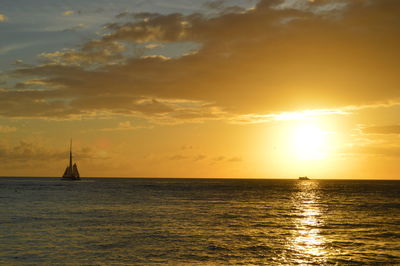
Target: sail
(66,172)
(75,172)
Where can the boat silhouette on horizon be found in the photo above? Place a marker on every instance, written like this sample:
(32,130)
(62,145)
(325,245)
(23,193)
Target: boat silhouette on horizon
(303,178)
(71,172)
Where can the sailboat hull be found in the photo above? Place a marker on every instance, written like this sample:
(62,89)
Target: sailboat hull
(71,173)
(70,178)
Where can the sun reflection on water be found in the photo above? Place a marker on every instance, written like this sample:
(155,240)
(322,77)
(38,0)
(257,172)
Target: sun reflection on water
(306,242)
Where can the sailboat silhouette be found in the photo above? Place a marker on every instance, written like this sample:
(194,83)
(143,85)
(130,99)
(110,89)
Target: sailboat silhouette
(71,172)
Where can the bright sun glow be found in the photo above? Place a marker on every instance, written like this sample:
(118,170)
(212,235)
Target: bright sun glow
(309,142)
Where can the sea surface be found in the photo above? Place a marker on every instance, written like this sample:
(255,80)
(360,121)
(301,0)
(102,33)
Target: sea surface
(199,222)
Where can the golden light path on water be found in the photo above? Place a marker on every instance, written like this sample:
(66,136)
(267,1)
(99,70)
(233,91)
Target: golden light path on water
(306,241)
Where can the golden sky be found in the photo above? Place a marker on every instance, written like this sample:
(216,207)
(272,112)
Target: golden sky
(260,89)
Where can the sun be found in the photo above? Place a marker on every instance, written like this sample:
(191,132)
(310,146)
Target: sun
(309,142)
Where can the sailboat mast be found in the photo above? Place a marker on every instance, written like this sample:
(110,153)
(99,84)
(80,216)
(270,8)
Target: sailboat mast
(70,154)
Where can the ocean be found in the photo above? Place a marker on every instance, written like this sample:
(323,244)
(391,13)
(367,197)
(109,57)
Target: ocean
(198,222)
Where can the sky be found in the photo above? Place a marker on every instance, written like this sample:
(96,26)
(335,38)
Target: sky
(184,88)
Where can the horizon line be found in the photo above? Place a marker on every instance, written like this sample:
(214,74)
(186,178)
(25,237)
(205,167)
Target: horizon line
(251,178)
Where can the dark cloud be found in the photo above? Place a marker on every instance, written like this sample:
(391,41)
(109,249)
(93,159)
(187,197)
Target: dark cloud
(178,157)
(199,157)
(219,158)
(148,27)
(187,147)
(262,60)
(91,53)
(233,159)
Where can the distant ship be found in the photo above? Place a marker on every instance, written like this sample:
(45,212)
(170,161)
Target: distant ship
(71,172)
(303,178)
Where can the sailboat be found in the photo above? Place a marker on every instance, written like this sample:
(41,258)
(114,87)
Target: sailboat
(71,172)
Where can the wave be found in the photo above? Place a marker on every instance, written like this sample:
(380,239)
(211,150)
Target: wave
(256,248)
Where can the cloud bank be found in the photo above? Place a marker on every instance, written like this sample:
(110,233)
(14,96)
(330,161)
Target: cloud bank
(271,58)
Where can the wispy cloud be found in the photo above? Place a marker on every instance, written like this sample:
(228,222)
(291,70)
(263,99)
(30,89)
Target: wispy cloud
(382,130)
(15,46)
(76,27)
(204,158)
(153,46)
(68,13)
(285,116)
